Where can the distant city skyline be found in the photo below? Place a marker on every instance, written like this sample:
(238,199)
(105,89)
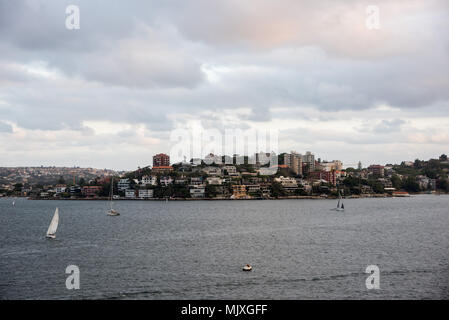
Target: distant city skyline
(107,95)
(150,163)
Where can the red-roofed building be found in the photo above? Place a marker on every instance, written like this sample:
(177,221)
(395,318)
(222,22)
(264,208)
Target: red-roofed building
(329,176)
(91,191)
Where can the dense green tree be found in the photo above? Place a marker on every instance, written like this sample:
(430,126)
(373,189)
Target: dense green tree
(411,185)
(443,184)
(396,181)
(352,181)
(277,190)
(82,182)
(181,191)
(211,191)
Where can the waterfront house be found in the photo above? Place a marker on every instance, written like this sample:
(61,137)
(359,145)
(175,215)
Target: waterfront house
(197,192)
(165,181)
(239,192)
(91,191)
(148,181)
(130,194)
(123,184)
(146,193)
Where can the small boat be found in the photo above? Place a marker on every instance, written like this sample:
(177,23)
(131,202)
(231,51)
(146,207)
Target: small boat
(111,211)
(51,232)
(340,204)
(13,203)
(247,268)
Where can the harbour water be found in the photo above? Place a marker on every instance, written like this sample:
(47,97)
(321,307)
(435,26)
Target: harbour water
(299,249)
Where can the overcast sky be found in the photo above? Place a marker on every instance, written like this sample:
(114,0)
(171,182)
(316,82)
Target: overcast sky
(109,94)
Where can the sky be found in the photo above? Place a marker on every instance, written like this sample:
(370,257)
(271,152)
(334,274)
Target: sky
(111,93)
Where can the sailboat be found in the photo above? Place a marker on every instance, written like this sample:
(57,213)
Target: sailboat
(340,204)
(111,211)
(14,203)
(51,232)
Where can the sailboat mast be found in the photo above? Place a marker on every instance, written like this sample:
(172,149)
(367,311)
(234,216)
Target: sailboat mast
(112,190)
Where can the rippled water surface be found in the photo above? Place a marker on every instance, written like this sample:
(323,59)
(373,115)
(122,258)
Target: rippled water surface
(195,249)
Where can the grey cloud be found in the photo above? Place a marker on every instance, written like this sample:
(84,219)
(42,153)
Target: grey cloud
(141,62)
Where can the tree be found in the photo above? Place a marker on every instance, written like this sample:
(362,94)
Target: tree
(181,191)
(277,189)
(82,182)
(443,157)
(396,181)
(351,181)
(443,184)
(61,180)
(411,185)
(417,164)
(211,191)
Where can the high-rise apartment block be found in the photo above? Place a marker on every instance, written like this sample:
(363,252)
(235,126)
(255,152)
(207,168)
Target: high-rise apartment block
(161,160)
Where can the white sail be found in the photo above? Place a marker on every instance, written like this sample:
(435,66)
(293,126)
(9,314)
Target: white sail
(54,223)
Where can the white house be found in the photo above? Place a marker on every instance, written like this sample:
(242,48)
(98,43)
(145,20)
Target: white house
(148,181)
(230,170)
(197,192)
(286,182)
(60,188)
(123,184)
(214,180)
(212,171)
(165,181)
(130,194)
(146,193)
(196,181)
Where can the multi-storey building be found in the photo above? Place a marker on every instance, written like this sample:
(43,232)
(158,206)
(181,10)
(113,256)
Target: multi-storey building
(123,184)
(161,160)
(148,181)
(130,194)
(377,170)
(309,160)
(294,161)
(60,188)
(238,191)
(165,181)
(214,180)
(91,191)
(332,165)
(329,176)
(146,193)
(212,171)
(197,192)
(230,170)
(196,181)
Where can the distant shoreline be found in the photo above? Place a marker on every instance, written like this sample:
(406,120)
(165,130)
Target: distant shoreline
(227,199)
